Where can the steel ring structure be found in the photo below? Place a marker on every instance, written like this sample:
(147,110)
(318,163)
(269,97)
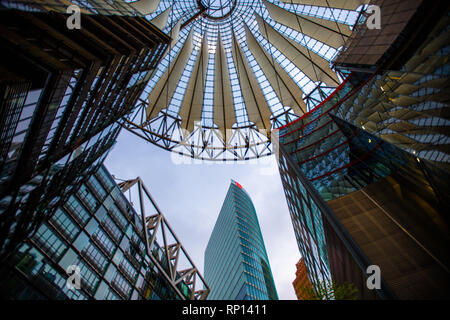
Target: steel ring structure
(237,69)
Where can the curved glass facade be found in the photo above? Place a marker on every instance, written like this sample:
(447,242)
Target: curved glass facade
(365,170)
(98,230)
(236,262)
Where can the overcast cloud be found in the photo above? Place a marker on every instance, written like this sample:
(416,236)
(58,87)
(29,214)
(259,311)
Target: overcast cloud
(191,195)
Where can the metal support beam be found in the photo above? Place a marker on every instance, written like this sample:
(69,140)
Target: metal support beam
(173,250)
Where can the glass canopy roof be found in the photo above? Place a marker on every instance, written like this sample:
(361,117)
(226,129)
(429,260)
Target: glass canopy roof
(236,69)
(217,9)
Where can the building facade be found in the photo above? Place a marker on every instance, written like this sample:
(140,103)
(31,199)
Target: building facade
(99,231)
(61,93)
(365,173)
(302,285)
(236,262)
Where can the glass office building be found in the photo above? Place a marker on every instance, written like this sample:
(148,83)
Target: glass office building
(98,230)
(61,93)
(365,173)
(236,262)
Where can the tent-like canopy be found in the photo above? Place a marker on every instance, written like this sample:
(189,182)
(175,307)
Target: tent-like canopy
(238,68)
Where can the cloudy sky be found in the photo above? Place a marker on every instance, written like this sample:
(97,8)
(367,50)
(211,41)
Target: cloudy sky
(190,195)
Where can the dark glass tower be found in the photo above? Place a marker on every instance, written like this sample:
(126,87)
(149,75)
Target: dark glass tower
(62,92)
(99,230)
(365,173)
(236,262)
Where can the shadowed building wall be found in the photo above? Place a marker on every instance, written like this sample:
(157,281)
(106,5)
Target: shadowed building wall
(61,93)
(366,172)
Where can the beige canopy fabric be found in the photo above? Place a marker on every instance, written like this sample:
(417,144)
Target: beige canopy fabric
(288,92)
(338,4)
(174,33)
(257,108)
(160,21)
(162,93)
(192,105)
(310,63)
(224,115)
(145,6)
(331,33)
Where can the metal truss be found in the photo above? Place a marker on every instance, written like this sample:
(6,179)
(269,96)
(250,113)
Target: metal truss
(239,42)
(156,226)
(207,143)
(204,143)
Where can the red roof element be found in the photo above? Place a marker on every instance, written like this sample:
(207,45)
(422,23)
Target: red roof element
(237,184)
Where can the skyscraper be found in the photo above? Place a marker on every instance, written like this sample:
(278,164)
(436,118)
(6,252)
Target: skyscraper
(62,92)
(120,252)
(236,262)
(365,172)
